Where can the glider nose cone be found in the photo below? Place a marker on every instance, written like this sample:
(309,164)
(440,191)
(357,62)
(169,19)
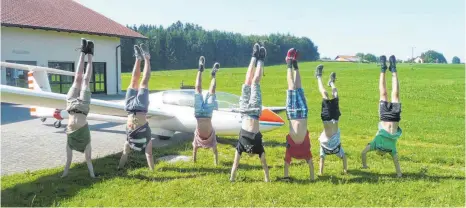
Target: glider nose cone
(269,116)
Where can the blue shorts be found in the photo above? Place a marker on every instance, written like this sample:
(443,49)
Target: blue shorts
(296,105)
(203,108)
(250,102)
(137,101)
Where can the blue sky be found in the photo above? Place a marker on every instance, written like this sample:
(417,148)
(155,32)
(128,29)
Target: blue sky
(338,27)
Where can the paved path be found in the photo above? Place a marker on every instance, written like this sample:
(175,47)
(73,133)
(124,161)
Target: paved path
(29,144)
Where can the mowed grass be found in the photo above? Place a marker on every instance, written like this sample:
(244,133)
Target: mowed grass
(431,151)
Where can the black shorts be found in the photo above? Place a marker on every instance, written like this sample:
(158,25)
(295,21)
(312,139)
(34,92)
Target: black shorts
(389,112)
(250,143)
(330,110)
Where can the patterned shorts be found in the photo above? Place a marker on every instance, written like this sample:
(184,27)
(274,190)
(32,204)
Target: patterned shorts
(296,105)
(250,102)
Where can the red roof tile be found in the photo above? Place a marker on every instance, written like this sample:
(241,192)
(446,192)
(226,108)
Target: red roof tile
(61,15)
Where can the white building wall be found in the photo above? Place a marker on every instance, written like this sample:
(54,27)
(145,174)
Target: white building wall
(43,46)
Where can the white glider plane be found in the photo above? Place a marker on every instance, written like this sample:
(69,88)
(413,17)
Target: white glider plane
(169,111)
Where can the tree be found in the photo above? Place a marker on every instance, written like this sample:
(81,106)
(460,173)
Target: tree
(370,57)
(432,56)
(180,45)
(360,55)
(455,60)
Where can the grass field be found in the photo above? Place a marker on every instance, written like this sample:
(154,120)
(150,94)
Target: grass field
(431,151)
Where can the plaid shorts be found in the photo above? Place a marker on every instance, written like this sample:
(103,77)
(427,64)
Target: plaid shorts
(250,102)
(296,105)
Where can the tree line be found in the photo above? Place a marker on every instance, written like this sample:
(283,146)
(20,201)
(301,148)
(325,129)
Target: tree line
(180,45)
(430,56)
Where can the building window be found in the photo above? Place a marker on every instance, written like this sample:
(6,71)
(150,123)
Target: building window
(61,83)
(18,77)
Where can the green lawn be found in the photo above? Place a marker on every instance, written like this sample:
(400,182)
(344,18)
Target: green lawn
(431,151)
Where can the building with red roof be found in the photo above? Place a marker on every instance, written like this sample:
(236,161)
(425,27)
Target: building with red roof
(47,32)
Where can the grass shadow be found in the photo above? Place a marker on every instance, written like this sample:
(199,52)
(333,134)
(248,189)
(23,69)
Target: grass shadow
(233,141)
(50,189)
(227,141)
(370,177)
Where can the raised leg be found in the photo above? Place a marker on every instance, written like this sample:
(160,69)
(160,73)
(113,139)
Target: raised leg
(134,84)
(78,77)
(149,158)
(258,74)
(235,166)
(124,156)
(297,79)
(382,87)
(146,73)
(213,85)
(290,79)
(322,90)
(318,74)
(88,156)
(395,88)
(332,84)
(69,157)
(250,72)
(363,156)
(198,86)
(88,75)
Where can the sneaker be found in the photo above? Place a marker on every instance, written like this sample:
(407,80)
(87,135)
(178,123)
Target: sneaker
(90,47)
(201,63)
(291,54)
(137,52)
(215,69)
(319,70)
(290,57)
(262,53)
(255,50)
(392,62)
(145,50)
(383,63)
(83,47)
(333,77)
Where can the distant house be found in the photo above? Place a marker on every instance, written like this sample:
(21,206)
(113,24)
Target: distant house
(344,58)
(418,60)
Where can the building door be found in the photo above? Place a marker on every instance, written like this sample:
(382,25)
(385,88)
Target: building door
(61,83)
(18,77)
(98,83)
